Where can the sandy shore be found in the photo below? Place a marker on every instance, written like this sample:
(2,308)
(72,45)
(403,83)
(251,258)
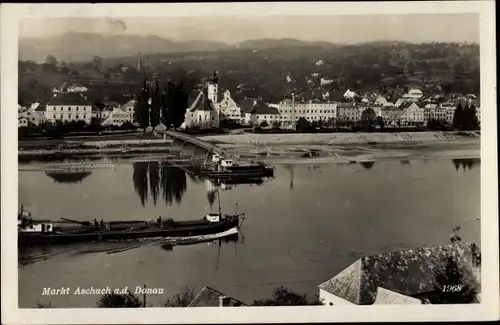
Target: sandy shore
(345,148)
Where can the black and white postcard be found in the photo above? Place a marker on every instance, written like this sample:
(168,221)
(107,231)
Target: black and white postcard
(293,160)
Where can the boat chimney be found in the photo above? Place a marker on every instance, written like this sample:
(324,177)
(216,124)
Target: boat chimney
(224,301)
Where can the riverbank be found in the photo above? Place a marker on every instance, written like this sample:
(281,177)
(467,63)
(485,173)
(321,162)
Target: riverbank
(342,138)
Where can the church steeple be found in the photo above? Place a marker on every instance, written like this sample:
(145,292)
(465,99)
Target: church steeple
(214,78)
(139,62)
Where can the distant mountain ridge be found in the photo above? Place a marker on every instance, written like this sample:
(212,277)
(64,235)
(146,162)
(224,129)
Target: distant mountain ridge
(84,46)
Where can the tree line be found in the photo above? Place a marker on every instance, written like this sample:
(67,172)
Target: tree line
(157,103)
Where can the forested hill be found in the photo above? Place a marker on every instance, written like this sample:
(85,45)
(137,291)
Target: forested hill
(263,71)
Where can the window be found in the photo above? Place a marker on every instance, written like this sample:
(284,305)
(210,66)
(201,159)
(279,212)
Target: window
(77,117)
(69,108)
(84,116)
(76,108)
(69,116)
(61,116)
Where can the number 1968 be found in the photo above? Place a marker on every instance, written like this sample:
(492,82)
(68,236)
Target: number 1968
(452,288)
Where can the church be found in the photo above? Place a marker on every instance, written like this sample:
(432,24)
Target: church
(206,112)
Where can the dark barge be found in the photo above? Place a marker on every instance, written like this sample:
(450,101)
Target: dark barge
(228,169)
(31,232)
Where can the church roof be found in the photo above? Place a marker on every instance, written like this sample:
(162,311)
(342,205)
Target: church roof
(202,103)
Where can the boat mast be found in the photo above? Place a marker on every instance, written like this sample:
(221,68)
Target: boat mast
(218,199)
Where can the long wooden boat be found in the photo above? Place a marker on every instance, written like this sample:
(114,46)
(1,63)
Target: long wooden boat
(33,232)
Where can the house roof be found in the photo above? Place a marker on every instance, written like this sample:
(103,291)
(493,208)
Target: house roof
(408,104)
(261,108)
(69,99)
(209,297)
(346,105)
(247,104)
(202,103)
(408,272)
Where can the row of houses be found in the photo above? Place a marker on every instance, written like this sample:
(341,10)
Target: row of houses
(74,106)
(207,110)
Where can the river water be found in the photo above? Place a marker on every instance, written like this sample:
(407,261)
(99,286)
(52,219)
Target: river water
(302,228)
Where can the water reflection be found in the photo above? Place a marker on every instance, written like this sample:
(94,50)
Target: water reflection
(466,163)
(367,164)
(69,177)
(155,178)
(404,162)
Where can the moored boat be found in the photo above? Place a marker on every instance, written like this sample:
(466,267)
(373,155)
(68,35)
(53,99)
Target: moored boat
(227,168)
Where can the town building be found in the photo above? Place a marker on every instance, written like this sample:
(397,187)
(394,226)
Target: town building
(228,109)
(201,113)
(30,116)
(402,277)
(116,117)
(70,88)
(348,112)
(209,297)
(349,94)
(391,115)
(413,113)
(255,111)
(413,94)
(66,107)
(312,110)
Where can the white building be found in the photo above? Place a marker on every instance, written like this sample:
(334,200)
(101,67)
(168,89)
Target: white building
(31,117)
(413,113)
(228,109)
(312,110)
(201,113)
(381,100)
(69,106)
(349,94)
(70,88)
(414,94)
(117,117)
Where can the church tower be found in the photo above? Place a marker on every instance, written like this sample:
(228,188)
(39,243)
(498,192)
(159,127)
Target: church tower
(213,88)
(139,62)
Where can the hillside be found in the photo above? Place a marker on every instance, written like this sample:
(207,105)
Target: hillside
(261,67)
(74,47)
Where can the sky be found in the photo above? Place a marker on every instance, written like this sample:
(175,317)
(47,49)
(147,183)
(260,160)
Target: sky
(415,28)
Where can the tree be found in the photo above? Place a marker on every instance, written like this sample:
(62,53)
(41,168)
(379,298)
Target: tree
(470,120)
(264,124)
(284,297)
(458,117)
(302,125)
(156,103)
(51,60)
(276,125)
(113,300)
(141,110)
(451,277)
(368,118)
(181,299)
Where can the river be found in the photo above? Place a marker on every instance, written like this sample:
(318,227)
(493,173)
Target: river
(302,228)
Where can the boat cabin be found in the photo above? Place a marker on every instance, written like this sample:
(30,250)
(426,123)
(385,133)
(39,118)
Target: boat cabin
(213,217)
(226,163)
(42,227)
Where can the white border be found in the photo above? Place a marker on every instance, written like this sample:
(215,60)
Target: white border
(487,310)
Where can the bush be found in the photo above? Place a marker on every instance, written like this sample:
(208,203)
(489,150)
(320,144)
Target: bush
(113,300)
(284,297)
